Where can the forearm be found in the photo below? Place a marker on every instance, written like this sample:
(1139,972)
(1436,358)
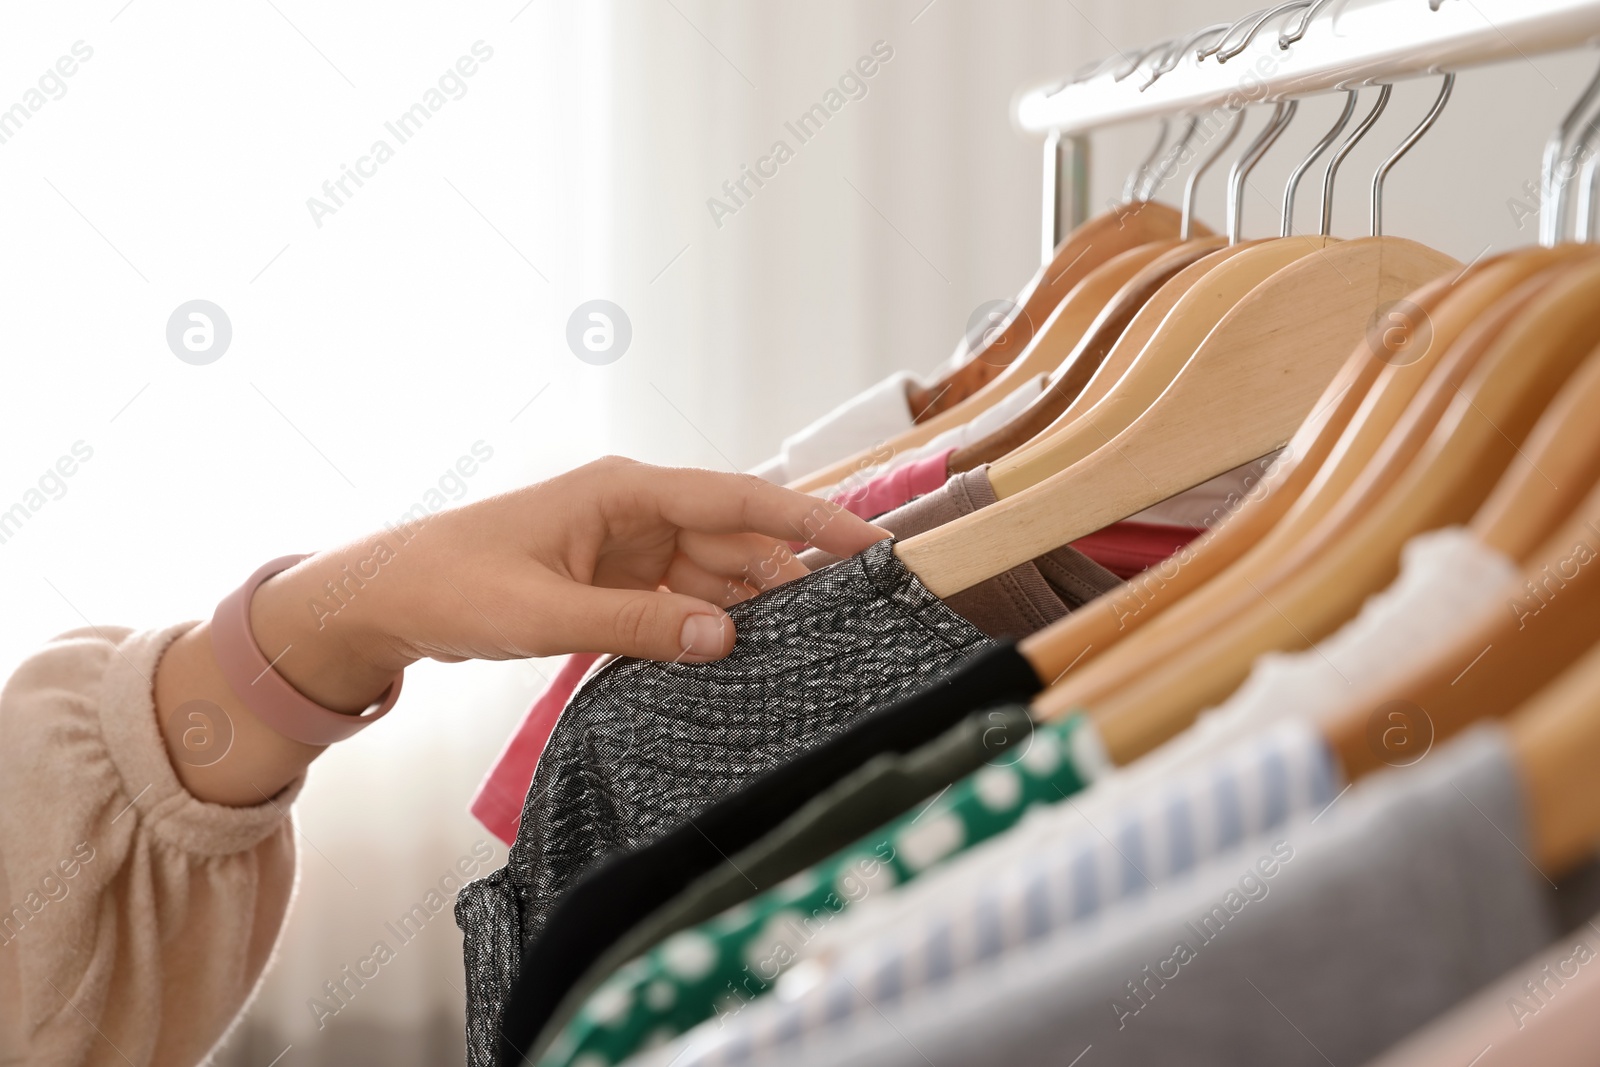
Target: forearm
(335,661)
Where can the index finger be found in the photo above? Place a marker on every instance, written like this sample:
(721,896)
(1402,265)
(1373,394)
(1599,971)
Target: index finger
(714,502)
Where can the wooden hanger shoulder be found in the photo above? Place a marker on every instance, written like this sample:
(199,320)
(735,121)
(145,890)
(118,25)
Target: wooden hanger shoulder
(1175,342)
(1097,274)
(1441,312)
(1122,227)
(1144,324)
(1232,549)
(1549,477)
(1265,366)
(1527,360)
(1075,370)
(1555,743)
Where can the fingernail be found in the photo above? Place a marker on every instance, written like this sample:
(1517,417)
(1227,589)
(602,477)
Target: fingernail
(702,634)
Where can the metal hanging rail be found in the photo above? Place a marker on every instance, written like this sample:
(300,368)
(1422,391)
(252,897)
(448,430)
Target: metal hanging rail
(1298,49)
(1359,42)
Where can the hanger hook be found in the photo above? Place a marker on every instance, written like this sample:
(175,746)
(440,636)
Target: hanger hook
(1169,61)
(1225,54)
(1316,152)
(1211,49)
(1135,179)
(1350,142)
(1281,114)
(1412,138)
(1291,36)
(1588,200)
(1139,57)
(1169,161)
(1552,188)
(1193,184)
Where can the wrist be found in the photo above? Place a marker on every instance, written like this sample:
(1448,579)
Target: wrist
(333,656)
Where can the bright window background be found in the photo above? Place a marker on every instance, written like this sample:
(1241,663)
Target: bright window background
(428,313)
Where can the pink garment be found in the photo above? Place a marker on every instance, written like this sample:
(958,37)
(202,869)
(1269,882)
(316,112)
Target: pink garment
(1127,549)
(501,794)
(898,486)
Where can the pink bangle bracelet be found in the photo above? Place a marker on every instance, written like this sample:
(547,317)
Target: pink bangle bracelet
(262,689)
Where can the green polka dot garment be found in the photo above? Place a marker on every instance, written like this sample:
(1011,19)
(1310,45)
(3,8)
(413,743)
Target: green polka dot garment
(715,968)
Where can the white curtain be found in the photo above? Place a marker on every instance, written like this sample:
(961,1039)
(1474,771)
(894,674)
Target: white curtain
(374,345)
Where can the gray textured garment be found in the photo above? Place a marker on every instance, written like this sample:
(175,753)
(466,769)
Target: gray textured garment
(880,790)
(1406,896)
(1023,600)
(644,746)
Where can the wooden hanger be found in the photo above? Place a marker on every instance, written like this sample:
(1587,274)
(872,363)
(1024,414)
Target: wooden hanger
(1552,617)
(1243,395)
(1550,476)
(1529,359)
(1180,337)
(1142,221)
(1441,313)
(1133,339)
(1084,364)
(1095,245)
(1555,741)
(1086,633)
(1095,284)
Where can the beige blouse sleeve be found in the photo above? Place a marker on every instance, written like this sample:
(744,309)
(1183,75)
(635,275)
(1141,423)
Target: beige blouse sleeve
(135,920)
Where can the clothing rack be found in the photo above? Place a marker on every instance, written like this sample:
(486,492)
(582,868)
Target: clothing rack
(1346,45)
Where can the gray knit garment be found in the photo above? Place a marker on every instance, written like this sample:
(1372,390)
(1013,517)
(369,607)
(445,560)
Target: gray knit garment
(644,746)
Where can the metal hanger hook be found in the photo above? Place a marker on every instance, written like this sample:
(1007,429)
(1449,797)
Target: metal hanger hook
(1136,178)
(1552,184)
(1588,194)
(1139,57)
(1412,138)
(1281,115)
(1169,161)
(1291,36)
(1169,62)
(1316,152)
(1350,142)
(1211,49)
(1193,184)
(1225,54)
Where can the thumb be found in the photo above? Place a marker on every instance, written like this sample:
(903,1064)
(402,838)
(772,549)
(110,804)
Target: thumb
(646,625)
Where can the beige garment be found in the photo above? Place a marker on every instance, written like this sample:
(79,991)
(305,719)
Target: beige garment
(135,920)
(1545,1011)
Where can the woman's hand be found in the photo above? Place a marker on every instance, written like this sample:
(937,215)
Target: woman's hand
(615,556)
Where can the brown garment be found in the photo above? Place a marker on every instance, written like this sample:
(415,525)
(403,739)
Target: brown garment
(1015,604)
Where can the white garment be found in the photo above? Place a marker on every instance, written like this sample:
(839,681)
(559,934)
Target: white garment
(866,419)
(987,422)
(1449,581)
